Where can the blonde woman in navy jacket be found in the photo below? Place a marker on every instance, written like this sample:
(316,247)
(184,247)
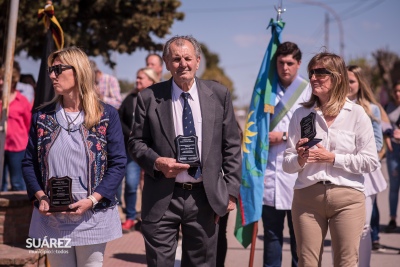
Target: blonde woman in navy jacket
(78,136)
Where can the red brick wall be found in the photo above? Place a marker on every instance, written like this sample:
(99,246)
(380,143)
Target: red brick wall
(15,217)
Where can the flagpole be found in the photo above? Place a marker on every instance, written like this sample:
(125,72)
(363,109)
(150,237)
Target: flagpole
(253,243)
(279,11)
(11,36)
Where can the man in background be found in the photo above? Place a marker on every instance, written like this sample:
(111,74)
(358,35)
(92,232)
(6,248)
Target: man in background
(155,62)
(278,185)
(108,87)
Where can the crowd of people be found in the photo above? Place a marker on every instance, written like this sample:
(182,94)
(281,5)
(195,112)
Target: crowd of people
(179,142)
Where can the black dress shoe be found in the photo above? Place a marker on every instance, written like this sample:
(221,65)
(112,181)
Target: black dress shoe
(377,247)
(391,226)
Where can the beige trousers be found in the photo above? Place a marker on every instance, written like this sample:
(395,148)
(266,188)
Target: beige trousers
(317,207)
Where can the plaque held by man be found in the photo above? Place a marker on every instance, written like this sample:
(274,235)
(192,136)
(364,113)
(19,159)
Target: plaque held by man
(60,193)
(307,128)
(187,150)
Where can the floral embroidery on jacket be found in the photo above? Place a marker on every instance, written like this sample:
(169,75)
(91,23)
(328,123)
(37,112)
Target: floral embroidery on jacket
(47,129)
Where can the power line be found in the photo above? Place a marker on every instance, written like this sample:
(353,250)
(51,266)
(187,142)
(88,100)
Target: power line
(227,9)
(359,12)
(246,8)
(350,9)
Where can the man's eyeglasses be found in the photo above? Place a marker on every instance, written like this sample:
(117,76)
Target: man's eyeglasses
(58,69)
(319,73)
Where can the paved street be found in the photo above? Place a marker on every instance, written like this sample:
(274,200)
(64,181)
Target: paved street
(129,250)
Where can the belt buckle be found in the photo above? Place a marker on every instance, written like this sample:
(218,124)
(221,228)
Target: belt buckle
(187,186)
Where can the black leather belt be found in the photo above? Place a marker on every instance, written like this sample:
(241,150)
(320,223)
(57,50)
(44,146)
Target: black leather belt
(324,182)
(189,186)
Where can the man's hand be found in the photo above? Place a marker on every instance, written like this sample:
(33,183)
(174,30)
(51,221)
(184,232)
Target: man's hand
(275,138)
(169,167)
(231,204)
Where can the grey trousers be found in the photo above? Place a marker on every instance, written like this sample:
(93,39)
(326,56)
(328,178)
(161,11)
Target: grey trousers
(189,211)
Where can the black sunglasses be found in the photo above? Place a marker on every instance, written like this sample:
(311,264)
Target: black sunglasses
(319,73)
(58,69)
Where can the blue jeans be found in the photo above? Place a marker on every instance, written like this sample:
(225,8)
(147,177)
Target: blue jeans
(273,221)
(13,163)
(375,222)
(393,165)
(132,180)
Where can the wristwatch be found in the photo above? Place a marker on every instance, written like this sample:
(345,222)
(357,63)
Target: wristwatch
(284,137)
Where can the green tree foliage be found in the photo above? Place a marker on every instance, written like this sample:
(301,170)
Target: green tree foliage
(98,26)
(382,72)
(126,86)
(386,61)
(214,72)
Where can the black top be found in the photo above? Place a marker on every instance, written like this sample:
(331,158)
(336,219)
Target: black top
(126,111)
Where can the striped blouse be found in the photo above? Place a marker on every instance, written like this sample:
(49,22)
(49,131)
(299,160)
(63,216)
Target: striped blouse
(67,157)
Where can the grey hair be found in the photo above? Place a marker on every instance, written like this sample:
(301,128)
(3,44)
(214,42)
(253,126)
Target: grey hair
(179,42)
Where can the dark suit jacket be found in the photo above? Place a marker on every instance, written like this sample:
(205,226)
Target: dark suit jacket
(153,136)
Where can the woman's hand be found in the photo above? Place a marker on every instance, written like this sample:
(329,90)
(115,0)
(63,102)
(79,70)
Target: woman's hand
(320,155)
(44,205)
(396,134)
(302,151)
(44,202)
(80,207)
(388,143)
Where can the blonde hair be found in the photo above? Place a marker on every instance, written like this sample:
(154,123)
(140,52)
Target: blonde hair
(85,78)
(340,83)
(365,96)
(150,73)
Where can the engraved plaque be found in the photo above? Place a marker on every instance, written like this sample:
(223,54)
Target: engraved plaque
(187,150)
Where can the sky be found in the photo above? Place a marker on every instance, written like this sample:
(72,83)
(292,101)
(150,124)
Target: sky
(236,30)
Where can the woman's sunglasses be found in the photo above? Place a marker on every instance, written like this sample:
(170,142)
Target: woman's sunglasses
(319,73)
(58,69)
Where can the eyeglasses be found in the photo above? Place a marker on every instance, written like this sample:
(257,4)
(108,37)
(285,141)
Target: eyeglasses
(319,73)
(58,69)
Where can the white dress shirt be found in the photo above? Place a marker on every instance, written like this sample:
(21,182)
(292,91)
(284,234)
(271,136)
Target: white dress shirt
(350,137)
(177,108)
(278,185)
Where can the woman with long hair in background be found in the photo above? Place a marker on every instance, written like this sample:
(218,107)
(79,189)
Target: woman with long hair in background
(374,182)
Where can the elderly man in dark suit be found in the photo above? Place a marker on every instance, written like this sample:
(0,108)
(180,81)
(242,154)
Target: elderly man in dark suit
(188,194)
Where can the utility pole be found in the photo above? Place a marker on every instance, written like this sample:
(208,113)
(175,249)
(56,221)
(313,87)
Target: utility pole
(12,32)
(336,17)
(327,31)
